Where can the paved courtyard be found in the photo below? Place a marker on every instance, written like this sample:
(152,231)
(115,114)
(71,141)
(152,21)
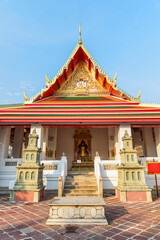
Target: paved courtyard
(126,221)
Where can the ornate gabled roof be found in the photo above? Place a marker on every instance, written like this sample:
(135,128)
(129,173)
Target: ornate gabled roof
(78,54)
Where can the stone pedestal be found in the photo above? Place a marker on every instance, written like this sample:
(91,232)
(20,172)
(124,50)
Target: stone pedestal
(28,196)
(131,178)
(134,195)
(77,211)
(29,179)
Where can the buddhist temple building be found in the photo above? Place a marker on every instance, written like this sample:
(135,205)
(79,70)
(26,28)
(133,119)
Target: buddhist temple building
(79,112)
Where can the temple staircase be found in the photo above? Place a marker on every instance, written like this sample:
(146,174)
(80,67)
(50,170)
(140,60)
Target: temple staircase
(80,184)
(83,166)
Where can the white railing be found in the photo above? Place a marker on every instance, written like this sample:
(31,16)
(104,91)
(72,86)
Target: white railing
(11,162)
(63,174)
(110,162)
(97,172)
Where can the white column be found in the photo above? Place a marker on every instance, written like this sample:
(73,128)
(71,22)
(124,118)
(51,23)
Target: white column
(157,138)
(4,143)
(44,143)
(121,130)
(40,132)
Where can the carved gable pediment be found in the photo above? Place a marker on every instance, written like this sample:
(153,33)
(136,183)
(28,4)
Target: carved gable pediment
(81,82)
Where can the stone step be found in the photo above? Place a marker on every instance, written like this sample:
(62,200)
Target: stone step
(81,183)
(83,169)
(82,180)
(71,173)
(80,191)
(82,177)
(81,195)
(82,165)
(4,190)
(92,187)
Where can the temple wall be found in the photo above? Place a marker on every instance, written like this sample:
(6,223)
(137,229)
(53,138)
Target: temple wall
(148,142)
(111,143)
(52,141)
(4,142)
(44,143)
(137,142)
(99,142)
(65,143)
(18,140)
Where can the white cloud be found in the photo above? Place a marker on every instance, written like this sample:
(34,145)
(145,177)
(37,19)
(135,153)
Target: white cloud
(10,94)
(24,83)
(23,87)
(32,90)
(1,88)
(14,94)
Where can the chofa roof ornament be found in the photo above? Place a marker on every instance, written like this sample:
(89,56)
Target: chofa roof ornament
(25,96)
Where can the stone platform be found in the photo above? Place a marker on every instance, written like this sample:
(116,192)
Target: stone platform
(77,211)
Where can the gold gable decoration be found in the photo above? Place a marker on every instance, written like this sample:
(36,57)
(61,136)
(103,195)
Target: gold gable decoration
(80,82)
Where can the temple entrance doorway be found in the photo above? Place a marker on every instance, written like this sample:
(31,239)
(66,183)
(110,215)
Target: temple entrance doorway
(82,151)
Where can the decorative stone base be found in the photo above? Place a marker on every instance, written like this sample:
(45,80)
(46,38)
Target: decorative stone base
(71,221)
(134,196)
(28,196)
(77,211)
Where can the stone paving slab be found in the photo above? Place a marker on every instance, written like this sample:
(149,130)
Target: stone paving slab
(26,221)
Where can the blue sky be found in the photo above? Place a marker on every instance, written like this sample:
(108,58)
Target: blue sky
(37,37)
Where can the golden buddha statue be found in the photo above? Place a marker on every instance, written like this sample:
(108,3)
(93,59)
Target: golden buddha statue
(83,151)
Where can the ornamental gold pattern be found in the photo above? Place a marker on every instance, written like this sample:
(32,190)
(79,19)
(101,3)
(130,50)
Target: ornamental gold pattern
(81,81)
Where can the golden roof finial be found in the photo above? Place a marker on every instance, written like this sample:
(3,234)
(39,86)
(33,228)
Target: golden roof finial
(139,94)
(80,39)
(47,80)
(115,78)
(25,96)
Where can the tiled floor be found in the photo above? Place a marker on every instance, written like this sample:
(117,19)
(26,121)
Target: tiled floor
(139,221)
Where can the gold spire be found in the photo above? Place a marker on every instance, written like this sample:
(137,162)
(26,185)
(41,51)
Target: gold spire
(25,96)
(139,94)
(80,39)
(47,79)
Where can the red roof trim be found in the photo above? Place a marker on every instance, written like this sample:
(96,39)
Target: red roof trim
(83,120)
(78,104)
